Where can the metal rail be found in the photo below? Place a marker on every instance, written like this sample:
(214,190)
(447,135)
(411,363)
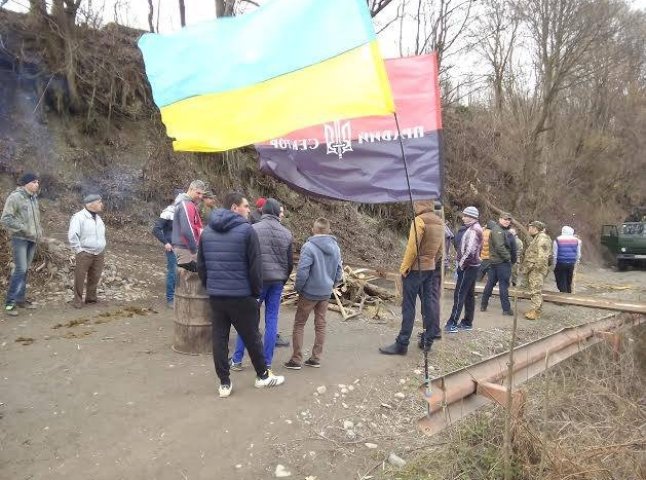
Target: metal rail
(459,393)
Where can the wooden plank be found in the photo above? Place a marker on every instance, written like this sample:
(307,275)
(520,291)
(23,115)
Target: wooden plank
(569,299)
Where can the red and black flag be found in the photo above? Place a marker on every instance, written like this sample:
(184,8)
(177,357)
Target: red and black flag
(360,159)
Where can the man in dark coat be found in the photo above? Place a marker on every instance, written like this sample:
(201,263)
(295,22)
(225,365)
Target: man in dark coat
(277,262)
(230,267)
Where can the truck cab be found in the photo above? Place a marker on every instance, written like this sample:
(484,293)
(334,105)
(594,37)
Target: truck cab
(626,243)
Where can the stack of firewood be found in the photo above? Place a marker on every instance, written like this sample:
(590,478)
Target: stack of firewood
(355,296)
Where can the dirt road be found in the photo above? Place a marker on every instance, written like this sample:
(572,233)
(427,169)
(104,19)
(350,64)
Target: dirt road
(103,396)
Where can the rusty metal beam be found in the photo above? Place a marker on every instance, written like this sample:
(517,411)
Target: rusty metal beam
(461,392)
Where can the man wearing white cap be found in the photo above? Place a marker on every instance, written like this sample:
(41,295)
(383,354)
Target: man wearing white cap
(87,238)
(468,243)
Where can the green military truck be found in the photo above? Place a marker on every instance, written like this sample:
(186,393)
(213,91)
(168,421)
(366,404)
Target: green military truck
(625,244)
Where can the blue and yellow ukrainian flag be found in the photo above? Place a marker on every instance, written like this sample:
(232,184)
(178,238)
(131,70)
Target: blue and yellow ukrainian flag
(288,65)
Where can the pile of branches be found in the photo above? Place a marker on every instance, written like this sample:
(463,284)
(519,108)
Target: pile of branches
(50,261)
(355,296)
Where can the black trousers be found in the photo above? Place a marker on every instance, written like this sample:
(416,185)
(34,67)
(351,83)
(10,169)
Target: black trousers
(499,273)
(243,314)
(464,297)
(563,273)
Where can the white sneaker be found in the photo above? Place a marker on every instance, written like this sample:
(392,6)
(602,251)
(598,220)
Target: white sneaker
(225,390)
(271,381)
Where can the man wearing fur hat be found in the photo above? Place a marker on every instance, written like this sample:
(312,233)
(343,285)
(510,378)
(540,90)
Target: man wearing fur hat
(87,239)
(21,217)
(535,266)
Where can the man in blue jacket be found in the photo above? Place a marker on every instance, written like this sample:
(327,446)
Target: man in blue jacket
(230,267)
(277,262)
(319,270)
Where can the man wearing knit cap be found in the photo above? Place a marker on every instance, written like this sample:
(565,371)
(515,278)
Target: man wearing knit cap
(255,216)
(468,243)
(21,218)
(536,266)
(87,239)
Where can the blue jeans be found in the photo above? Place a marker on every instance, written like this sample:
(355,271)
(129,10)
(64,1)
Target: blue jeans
(425,285)
(464,296)
(499,273)
(171,272)
(271,296)
(23,255)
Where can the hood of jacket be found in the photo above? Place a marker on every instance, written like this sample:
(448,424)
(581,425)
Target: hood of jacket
(182,197)
(423,206)
(567,231)
(326,243)
(223,220)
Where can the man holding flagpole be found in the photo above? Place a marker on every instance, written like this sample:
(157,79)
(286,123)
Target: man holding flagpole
(419,268)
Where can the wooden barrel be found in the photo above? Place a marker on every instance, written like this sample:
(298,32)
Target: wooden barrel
(192,315)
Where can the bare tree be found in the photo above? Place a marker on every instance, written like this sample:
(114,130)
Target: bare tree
(151,27)
(495,33)
(438,25)
(562,32)
(158,15)
(38,7)
(64,15)
(377,6)
(182,13)
(224,8)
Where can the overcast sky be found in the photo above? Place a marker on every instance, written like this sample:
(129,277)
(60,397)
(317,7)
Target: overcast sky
(134,13)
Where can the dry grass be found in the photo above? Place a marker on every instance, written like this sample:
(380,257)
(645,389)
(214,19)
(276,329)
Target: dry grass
(585,420)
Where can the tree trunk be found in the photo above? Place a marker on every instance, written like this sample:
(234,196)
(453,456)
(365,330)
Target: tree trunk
(150,16)
(37,7)
(182,13)
(64,13)
(37,13)
(224,8)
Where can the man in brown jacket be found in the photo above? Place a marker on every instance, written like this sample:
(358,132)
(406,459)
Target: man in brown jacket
(418,276)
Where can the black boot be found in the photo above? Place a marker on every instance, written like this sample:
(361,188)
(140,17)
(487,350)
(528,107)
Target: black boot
(394,349)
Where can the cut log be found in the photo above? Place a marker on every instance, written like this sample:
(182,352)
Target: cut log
(375,291)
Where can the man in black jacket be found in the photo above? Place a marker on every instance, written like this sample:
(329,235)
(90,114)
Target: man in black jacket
(502,255)
(277,263)
(230,267)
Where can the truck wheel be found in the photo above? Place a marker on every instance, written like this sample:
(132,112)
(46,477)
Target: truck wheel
(622,265)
